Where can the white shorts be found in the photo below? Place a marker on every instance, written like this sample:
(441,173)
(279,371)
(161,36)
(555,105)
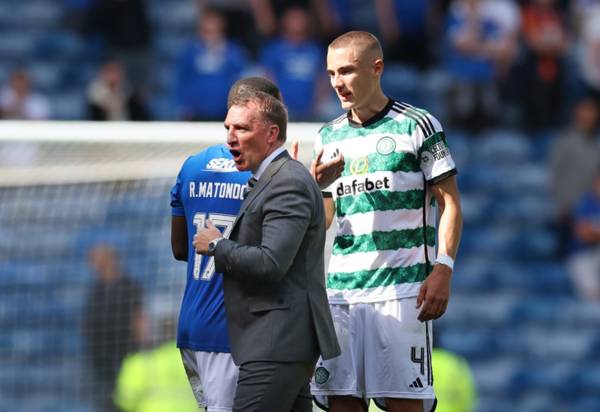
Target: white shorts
(386,353)
(213,377)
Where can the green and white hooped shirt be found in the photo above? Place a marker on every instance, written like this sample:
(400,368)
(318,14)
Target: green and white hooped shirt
(385,225)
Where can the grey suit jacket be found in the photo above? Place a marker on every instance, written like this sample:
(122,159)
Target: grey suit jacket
(273,270)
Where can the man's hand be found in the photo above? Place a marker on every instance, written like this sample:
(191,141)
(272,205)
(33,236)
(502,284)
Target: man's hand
(326,173)
(203,237)
(434,293)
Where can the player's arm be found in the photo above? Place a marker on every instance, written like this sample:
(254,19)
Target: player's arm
(179,234)
(450,226)
(179,238)
(435,291)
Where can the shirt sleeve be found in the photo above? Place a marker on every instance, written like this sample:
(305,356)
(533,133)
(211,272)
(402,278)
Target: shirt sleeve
(176,203)
(432,150)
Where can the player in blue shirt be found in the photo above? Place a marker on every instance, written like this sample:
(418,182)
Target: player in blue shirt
(208,187)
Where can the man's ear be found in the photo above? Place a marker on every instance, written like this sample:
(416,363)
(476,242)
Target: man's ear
(378,67)
(273,134)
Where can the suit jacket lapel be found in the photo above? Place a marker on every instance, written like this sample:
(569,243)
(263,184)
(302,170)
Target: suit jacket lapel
(264,180)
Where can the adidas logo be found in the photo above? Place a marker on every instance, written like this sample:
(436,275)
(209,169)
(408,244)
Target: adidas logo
(416,384)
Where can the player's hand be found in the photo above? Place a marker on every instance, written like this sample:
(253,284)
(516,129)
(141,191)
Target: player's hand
(294,150)
(326,173)
(203,237)
(434,293)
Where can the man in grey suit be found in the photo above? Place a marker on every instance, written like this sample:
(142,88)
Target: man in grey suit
(278,316)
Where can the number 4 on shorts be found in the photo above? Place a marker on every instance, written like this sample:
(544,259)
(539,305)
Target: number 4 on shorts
(418,359)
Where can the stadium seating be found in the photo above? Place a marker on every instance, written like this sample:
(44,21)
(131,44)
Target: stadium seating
(512,308)
(513,314)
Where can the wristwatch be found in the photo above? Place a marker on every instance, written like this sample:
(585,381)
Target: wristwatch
(212,245)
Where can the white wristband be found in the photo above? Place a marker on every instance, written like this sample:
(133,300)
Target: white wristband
(445,260)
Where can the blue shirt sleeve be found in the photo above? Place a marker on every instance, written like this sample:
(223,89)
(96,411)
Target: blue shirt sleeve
(176,203)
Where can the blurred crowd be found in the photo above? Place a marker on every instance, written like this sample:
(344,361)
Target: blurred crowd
(532,65)
(520,63)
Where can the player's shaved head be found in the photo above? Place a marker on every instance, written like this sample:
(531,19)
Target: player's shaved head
(365,44)
(257,83)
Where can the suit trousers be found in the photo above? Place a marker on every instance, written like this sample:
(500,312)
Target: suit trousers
(268,386)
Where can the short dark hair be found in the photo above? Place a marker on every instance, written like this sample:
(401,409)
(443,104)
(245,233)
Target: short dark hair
(254,83)
(272,110)
(363,40)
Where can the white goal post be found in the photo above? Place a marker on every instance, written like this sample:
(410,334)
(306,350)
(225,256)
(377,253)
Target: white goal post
(60,152)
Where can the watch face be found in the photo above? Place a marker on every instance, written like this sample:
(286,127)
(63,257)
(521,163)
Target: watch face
(212,245)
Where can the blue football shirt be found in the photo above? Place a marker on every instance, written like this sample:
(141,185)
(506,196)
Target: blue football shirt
(208,187)
(296,69)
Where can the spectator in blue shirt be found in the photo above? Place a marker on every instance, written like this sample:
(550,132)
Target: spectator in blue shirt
(295,62)
(206,69)
(480,47)
(584,262)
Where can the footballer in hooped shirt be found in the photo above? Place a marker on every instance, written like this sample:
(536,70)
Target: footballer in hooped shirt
(208,187)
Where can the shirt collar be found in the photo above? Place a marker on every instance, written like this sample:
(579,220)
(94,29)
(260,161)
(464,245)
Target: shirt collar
(265,163)
(375,118)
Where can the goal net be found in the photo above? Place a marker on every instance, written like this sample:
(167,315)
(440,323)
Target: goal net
(86,271)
